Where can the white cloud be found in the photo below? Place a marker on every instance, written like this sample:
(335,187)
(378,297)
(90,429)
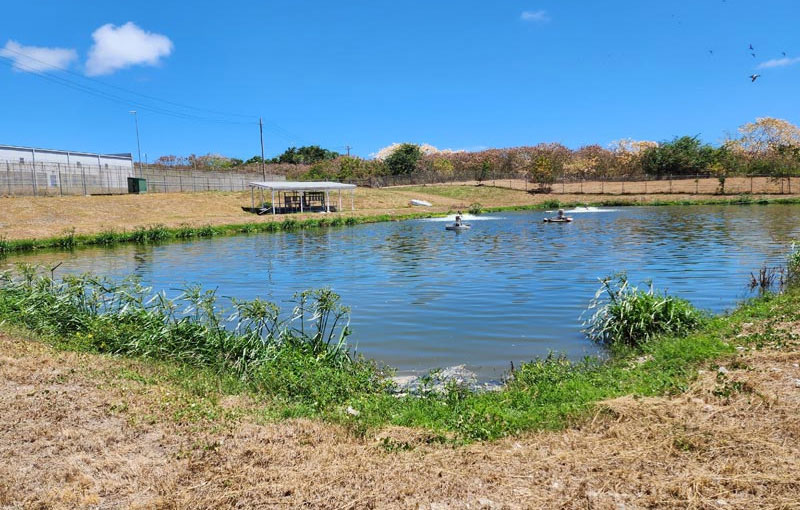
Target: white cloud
(37,59)
(779,62)
(535,16)
(116,48)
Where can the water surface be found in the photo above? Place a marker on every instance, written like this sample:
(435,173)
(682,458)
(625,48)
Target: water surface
(510,289)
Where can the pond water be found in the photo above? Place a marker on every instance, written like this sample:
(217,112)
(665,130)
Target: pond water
(509,289)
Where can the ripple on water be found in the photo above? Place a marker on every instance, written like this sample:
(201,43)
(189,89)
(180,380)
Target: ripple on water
(510,289)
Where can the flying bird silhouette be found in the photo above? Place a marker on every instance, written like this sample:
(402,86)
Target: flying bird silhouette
(754,77)
(751,47)
(783,53)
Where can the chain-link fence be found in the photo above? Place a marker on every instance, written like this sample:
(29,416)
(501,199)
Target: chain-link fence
(54,179)
(633,185)
(165,180)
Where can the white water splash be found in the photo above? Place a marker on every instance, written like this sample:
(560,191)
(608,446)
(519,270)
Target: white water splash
(465,217)
(589,209)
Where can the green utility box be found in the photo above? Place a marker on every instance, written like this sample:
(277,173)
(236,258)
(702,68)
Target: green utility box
(137,185)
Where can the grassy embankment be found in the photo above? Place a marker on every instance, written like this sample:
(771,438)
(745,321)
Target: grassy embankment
(302,368)
(103,221)
(161,233)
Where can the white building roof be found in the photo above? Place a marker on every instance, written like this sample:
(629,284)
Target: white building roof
(125,156)
(301,185)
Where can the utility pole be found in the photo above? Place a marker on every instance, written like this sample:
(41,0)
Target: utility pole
(261,132)
(348,150)
(138,145)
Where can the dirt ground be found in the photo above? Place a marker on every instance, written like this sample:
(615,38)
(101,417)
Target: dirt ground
(86,431)
(32,217)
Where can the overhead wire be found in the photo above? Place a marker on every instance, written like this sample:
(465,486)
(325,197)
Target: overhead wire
(123,89)
(160,110)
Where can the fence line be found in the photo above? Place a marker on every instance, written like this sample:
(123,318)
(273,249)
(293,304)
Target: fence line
(54,179)
(669,184)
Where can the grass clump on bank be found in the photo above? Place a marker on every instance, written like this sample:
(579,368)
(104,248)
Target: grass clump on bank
(627,316)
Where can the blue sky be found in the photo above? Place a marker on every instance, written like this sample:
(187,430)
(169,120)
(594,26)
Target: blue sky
(461,75)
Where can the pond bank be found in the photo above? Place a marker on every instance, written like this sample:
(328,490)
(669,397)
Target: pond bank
(143,433)
(307,372)
(30,224)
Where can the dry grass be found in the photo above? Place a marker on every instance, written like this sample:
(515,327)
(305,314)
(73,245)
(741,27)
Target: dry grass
(30,217)
(80,431)
(704,186)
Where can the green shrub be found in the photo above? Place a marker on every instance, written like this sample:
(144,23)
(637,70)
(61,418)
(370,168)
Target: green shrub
(107,237)
(289,224)
(153,233)
(475,208)
(627,316)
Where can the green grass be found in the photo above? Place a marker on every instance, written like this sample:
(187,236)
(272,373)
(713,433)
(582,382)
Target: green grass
(302,367)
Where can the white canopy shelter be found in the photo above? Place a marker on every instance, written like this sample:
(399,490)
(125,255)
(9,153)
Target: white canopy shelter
(302,194)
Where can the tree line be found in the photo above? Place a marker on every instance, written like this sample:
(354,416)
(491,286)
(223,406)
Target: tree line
(767,146)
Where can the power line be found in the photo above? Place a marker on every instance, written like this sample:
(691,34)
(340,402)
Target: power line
(118,99)
(88,78)
(160,110)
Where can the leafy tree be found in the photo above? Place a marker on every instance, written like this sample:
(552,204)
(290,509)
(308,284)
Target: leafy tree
(403,160)
(766,135)
(253,161)
(685,155)
(767,146)
(307,155)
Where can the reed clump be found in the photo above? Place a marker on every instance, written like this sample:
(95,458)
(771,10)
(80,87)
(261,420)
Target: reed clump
(627,316)
(301,356)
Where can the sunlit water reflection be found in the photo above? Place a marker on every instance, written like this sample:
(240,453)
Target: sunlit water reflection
(510,289)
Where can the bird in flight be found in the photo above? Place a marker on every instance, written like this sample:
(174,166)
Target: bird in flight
(754,55)
(784,53)
(754,77)
(751,47)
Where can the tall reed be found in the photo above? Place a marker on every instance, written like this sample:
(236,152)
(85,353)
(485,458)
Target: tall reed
(302,355)
(627,316)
